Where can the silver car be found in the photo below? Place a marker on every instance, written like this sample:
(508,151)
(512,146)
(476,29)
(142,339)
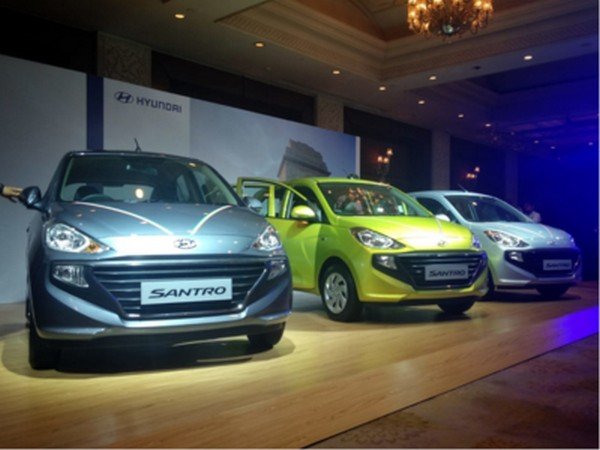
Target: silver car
(521,253)
(132,248)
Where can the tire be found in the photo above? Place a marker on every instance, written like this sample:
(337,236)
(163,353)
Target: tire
(456,307)
(338,293)
(491,293)
(266,340)
(553,292)
(41,355)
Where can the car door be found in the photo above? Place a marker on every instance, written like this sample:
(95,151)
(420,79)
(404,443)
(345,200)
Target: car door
(300,237)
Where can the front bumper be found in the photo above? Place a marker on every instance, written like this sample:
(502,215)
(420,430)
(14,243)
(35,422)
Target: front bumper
(405,281)
(110,308)
(519,269)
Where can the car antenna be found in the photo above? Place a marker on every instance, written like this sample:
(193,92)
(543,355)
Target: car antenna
(137,146)
(463,189)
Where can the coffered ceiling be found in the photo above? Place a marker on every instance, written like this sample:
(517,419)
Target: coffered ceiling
(546,104)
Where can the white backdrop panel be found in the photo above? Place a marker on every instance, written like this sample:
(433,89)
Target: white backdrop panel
(42,116)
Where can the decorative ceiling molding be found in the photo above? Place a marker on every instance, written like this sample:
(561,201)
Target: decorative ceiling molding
(301,29)
(488,46)
(304,30)
(464,92)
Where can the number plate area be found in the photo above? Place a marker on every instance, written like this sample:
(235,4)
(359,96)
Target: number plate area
(437,272)
(185,291)
(557,264)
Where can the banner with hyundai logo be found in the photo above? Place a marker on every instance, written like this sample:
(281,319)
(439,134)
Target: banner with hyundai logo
(160,121)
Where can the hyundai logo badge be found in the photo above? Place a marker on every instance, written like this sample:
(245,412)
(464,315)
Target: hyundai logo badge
(124,97)
(185,244)
(441,243)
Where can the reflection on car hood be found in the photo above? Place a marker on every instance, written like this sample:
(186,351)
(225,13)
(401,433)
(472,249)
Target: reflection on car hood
(418,233)
(152,228)
(535,234)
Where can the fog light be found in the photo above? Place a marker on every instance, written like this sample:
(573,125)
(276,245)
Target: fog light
(70,274)
(515,256)
(386,261)
(276,268)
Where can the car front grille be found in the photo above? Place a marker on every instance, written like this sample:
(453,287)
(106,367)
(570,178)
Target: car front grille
(123,280)
(533,261)
(411,268)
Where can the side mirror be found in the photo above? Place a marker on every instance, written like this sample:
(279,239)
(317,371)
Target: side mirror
(443,217)
(303,212)
(31,197)
(253,204)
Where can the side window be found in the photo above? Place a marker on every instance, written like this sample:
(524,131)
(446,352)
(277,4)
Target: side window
(279,197)
(261,192)
(183,192)
(436,207)
(313,201)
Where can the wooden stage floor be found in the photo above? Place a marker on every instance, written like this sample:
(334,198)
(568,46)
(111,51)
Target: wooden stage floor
(323,378)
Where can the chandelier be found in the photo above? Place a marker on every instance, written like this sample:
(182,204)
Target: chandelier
(448,17)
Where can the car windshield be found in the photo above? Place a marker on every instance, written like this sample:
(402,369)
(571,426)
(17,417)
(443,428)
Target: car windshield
(485,209)
(354,199)
(139,178)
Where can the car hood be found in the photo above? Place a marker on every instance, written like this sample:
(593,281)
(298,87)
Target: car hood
(417,233)
(153,228)
(535,234)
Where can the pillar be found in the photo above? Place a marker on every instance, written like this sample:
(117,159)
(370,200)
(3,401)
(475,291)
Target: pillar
(440,160)
(329,113)
(124,60)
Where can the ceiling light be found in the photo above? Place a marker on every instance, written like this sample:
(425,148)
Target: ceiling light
(336,71)
(488,125)
(432,77)
(421,102)
(448,17)
(180,16)
(536,142)
(461,116)
(259,44)
(527,57)
(591,144)
(382,88)
(553,147)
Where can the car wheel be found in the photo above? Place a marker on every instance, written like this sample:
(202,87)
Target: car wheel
(27,313)
(552,292)
(491,293)
(41,355)
(456,306)
(338,293)
(266,340)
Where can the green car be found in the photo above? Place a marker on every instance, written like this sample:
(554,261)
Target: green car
(354,241)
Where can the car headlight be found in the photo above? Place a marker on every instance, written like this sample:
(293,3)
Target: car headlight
(475,242)
(372,239)
(504,239)
(64,238)
(268,240)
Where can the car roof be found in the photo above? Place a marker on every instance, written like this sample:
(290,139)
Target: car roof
(98,152)
(334,180)
(450,192)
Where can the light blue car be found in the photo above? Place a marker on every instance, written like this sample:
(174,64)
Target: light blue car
(142,248)
(522,254)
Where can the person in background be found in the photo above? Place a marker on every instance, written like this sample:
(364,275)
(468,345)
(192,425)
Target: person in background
(530,211)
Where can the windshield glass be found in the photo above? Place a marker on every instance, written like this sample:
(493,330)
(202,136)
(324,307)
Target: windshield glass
(136,178)
(353,199)
(485,209)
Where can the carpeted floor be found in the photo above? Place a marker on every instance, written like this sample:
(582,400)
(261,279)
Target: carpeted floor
(548,402)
